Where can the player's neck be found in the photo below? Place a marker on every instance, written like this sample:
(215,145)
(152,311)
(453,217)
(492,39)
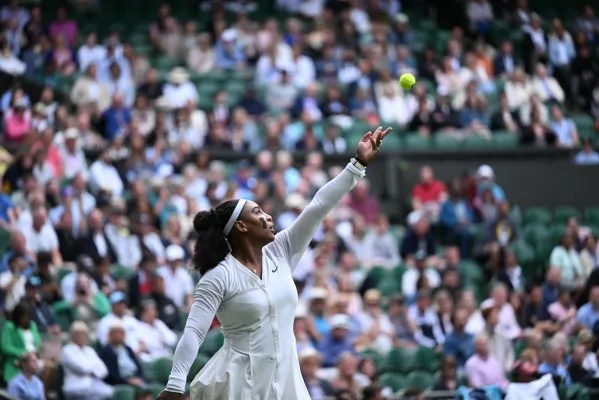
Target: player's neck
(248,255)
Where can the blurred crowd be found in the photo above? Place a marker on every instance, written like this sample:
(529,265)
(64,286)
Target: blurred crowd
(98,195)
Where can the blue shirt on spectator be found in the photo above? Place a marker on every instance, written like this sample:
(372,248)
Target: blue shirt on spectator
(454,212)
(115,121)
(5,205)
(26,272)
(26,389)
(584,158)
(7,98)
(460,346)
(228,58)
(556,370)
(564,130)
(550,295)
(587,316)
(495,189)
(332,348)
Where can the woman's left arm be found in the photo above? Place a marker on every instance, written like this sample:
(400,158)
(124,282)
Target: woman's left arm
(297,237)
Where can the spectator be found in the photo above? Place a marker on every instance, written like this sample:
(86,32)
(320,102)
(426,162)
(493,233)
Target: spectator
(41,313)
(179,286)
(504,119)
(404,328)
(228,52)
(83,369)
(512,275)
(482,368)
(576,370)
(547,87)
(563,312)
(561,53)
(567,260)
(535,43)
(104,176)
(177,93)
(554,363)
(587,156)
(346,378)
(456,217)
(20,336)
(282,94)
(588,314)
(500,346)
(90,52)
(380,245)
(507,324)
(423,317)
(159,337)
(589,255)
(418,269)
(448,379)
(167,309)
(336,342)
(429,194)
(377,330)
(418,237)
(363,202)
(12,282)
(310,361)
(459,344)
(120,360)
(201,58)
(564,129)
(120,315)
(64,26)
(26,385)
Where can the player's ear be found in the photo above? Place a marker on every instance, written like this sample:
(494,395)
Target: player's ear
(240,226)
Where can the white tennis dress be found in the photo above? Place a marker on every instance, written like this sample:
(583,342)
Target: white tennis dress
(258,360)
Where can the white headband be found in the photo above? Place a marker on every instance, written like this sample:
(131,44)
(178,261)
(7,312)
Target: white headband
(234,216)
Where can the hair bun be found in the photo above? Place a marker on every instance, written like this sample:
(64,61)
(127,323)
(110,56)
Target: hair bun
(205,220)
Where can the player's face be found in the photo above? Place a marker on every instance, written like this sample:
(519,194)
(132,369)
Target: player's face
(257,224)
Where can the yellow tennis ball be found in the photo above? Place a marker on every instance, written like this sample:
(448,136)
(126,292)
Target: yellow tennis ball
(407,81)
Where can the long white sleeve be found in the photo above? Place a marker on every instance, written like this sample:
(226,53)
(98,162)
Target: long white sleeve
(292,242)
(209,295)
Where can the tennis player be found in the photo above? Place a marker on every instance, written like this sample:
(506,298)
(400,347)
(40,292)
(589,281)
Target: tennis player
(247,283)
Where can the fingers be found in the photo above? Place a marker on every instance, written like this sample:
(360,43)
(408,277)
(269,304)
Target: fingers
(386,132)
(367,136)
(373,143)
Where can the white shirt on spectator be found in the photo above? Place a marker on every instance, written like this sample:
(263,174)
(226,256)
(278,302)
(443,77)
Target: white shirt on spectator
(565,130)
(304,72)
(383,342)
(74,163)
(518,94)
(90,55)
(131,325)
(83,372)
(508,324)
(360,19)
(178,284)
(390,109)
(159,340)
(410,279)
(427,318)
(381,249)
(476,323)
(16,293)
(310,8)
(547,89)
(125,245)
(179,96)
(43,240)
(105,176)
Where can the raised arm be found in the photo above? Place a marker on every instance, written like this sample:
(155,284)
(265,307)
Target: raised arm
(297,237)
(208,296)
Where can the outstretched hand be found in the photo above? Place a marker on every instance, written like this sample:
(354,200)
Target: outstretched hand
(370,144)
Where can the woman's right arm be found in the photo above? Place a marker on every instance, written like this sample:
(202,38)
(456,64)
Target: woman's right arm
(209,295)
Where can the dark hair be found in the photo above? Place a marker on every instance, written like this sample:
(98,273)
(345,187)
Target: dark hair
(211,246)
(21,311)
